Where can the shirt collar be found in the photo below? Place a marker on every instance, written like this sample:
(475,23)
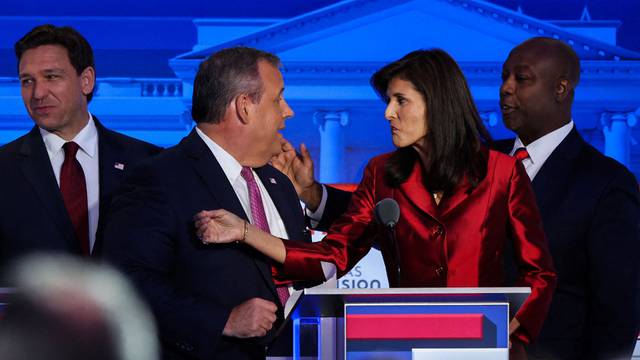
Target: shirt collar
(87,139)
(542,148)
(229,164)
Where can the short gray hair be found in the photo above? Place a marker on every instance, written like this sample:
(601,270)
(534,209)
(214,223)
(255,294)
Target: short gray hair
(225,75)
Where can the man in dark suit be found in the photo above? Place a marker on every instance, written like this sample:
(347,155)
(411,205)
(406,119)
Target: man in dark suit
(50,201)
(589,203)
(212,301)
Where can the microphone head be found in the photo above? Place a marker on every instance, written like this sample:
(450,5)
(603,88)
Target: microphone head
(387,212)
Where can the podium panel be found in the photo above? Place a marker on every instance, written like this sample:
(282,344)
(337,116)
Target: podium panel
(404,323)
(401,330)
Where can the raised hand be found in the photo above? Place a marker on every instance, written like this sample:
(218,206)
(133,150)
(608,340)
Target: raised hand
(219,226)
(299,169)
(254,317)
(297,166)
(284,161)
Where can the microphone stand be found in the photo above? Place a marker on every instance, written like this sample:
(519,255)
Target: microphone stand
(391,230)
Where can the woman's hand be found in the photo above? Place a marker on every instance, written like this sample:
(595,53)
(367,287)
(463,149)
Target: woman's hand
(219,227)
(513,326)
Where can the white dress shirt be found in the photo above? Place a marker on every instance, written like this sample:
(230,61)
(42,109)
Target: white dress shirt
(232,169)
(87,156)
(540,150)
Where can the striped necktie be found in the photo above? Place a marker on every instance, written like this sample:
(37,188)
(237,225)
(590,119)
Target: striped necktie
(260,218)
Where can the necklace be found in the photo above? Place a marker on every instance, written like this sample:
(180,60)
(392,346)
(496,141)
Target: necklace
(437,196)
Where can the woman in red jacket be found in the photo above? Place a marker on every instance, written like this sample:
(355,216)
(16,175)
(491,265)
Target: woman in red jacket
(460,201)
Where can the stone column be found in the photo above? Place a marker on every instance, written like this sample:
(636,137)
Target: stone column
(616,127)
(332,144)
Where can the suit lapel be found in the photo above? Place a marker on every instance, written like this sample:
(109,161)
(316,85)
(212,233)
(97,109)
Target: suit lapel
(111,163)
(277,194)
(417,193)
(36,167)
(460,194)
(551,179)
(211,173)
(462,191)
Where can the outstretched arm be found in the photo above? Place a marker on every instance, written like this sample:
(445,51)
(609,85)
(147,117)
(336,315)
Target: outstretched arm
(221,226)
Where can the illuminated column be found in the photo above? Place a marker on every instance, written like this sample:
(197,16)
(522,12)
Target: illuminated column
(332,144)
(617,135)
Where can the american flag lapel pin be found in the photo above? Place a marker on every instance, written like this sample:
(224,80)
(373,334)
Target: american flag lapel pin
(119,166)
(272,180)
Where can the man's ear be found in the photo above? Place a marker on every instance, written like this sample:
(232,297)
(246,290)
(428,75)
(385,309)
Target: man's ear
(242,104)
(562,89)
(88,80)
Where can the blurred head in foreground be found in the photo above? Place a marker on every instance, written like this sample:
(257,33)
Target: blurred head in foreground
(66,308)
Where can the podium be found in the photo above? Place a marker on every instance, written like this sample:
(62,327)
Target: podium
(404,323)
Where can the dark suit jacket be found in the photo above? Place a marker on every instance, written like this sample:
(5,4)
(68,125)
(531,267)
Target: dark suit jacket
(336,204)
(457,243)
(32,213)
(591,213)
(192,287)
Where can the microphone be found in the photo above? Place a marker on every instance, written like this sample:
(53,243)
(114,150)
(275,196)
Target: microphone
(387,213)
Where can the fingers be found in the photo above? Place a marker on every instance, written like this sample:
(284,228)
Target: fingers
(277,162)
(305,155)
(266,313)
(218,226)
(513,325)
(266,304)
(210,214)
(280,161)
(254,317)
(204,214)
(284,160)
(200,230)
(286,145)
(200,222)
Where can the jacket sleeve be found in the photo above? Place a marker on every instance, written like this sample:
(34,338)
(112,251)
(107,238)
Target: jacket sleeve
(614,270)
(336,204)
(532,256)
(349,239)
(140,237)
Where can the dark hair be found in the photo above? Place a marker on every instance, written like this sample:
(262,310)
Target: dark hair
(223,76)
(78,48)
(455,135)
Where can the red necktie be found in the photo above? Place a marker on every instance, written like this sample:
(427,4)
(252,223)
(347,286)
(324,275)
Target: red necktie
(74,194)
(521,154)
(260,218)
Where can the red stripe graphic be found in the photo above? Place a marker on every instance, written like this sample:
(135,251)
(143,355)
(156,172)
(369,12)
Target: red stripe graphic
(414,326)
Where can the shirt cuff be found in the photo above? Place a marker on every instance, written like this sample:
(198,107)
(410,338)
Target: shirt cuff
(329,269)
(316,216)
